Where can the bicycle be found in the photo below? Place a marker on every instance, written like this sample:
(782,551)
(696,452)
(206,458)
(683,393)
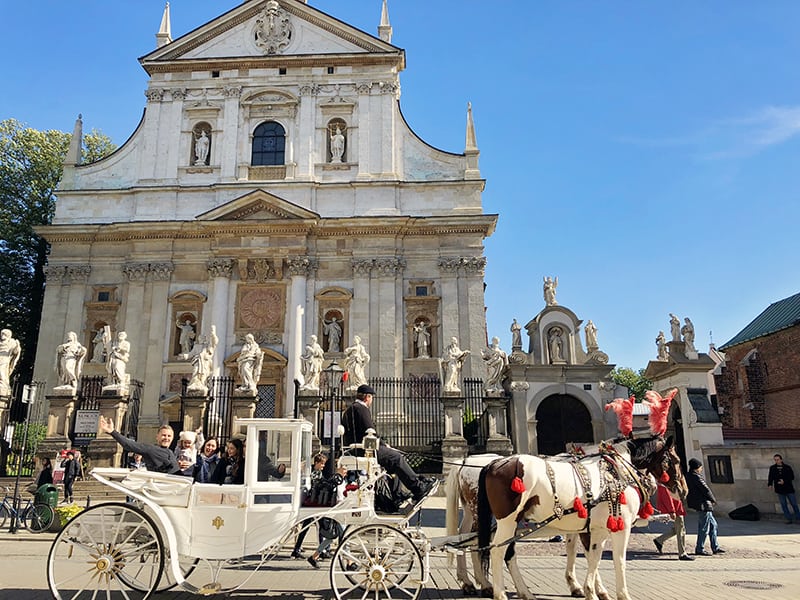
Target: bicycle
(32,516)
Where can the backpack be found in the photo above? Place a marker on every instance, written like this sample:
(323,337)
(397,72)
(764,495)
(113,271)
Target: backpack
(748,512)
(329,528)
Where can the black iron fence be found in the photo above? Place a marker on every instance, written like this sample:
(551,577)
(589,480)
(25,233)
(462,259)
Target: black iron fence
(26,422)
(219,413)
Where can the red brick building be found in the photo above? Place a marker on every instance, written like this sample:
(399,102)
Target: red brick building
(758,388)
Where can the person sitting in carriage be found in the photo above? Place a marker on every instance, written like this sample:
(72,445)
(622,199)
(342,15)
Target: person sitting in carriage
(357,419)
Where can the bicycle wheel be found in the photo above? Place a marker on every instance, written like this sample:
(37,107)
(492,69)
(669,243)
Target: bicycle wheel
(4,514)
(38,517)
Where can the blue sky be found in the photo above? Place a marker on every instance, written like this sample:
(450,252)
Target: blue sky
(645,153)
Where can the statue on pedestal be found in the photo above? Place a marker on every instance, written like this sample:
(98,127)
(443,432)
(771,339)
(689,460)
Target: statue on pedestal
(337,145)
(675,327)
(496,362)
(355,363)
(516,335)
(452,362)
(10,351)
(250,362)
(333,330)
(202,359)
(688,337)
(98,347)
(69,364)
(591,336)
(311,363)
(556,346)
(118,354)
(422,339)
(187,337)
(549,289)
(201,147)
(661,344)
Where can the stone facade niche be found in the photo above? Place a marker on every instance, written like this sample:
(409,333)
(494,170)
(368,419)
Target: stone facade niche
(101,311)
(186,305)
(198,156)
(422,305)
(333,303)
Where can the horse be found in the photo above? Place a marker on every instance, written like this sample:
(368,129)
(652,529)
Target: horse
(608,484)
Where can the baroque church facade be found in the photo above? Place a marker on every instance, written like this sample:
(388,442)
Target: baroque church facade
(271,188)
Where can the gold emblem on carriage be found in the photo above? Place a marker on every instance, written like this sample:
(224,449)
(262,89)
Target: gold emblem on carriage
(218,522)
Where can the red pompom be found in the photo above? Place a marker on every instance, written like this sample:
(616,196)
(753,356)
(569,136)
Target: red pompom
(664,477)
(620,524)
(517,486)
(622,498)
(611,523)
(580,508)
(646,511)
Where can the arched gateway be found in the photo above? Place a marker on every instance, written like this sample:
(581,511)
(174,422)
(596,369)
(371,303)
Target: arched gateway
(560,419)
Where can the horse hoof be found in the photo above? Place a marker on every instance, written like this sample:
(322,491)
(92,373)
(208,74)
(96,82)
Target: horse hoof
(576,593)
(469,590)
(487,592)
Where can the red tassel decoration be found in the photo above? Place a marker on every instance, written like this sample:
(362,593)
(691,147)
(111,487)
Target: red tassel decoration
(611,523)
(622,498)
(517,486)
(646,511)
(664,477)
(620,524)
(580,508)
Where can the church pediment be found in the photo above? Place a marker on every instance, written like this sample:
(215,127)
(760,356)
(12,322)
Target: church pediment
(264,29)
(258,206)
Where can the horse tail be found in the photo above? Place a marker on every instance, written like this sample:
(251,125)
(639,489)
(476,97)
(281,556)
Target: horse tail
(484,519)
(453,494)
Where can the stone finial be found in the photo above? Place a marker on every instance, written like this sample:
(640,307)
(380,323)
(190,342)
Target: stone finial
(164,35)
(385,28)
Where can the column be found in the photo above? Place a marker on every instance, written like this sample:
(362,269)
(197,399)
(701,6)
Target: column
(389,94)
(227,150)
(360,307)
(77,275)
(220,271)
(53,324)
(150,364)
(308,152)
(472,334)
(386,352)
(300,268)
(448,267)
(150,137)
(364,131)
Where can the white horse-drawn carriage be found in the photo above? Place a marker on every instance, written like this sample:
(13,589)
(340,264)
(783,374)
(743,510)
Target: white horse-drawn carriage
(177,533)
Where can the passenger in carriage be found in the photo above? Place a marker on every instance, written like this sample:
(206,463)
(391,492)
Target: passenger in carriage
(190,443)
(156,457)
(357,419)
(207,462)
(231,468)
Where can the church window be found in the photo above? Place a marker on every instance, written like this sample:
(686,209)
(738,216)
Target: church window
(281,70)
(214,74)
(331,70)
(269,143)
(103,296)
(422,290)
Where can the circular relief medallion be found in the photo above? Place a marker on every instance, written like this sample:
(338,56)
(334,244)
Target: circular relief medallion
(261,309)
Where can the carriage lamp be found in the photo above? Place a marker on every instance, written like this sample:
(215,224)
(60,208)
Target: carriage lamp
(370,442)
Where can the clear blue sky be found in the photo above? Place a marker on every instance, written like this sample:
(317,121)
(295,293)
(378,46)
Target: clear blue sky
(646,153)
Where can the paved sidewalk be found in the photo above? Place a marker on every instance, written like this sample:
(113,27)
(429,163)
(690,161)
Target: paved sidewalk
(761,562)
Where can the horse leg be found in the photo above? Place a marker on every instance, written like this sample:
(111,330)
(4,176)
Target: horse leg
(593,555)
(462,573)
(572,552)
(455,498)
(505,531)
(516,576)
(619,544)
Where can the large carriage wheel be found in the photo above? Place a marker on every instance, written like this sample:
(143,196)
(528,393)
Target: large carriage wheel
(377,562)
(108,551)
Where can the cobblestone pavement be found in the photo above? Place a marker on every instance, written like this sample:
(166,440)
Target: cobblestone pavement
(761,562)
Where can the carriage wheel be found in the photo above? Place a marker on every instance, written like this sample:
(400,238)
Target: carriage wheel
(377,562)
(108,551)
(136,576)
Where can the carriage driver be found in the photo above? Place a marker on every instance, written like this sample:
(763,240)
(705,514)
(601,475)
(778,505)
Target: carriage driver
(156,457)
(357,419)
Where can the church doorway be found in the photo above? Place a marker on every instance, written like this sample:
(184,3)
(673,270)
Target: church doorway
(561,419)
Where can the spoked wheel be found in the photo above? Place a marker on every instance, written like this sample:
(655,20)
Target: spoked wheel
(112,551)
(377,562)
(39,517)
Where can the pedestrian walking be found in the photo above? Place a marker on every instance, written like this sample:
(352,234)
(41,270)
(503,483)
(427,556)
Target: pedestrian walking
(671,505)
(702,499)
(70,467)
(780,479)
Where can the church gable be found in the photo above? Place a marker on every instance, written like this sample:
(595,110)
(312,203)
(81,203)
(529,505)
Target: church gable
(258,205)
(268,29)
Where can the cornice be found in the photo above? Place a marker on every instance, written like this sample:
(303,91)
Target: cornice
(272,61)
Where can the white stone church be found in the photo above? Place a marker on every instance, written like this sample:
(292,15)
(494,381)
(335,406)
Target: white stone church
(271,186)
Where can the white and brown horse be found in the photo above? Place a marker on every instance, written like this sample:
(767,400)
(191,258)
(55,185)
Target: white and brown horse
(654,455)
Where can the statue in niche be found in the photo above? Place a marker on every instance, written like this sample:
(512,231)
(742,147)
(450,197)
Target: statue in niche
(556,346)
(688,336)
(202,359)
(10,351)
(69,364)
(98,347)
(516,335)
(250,363)
(187,336)
(422,339)
(337,145)
(202,143)
(675,327)
(333,330)
(496,362)
(549,289)
(356,360)
(661,344)
(591,336)
(452,362)
(118,353)
(311,364)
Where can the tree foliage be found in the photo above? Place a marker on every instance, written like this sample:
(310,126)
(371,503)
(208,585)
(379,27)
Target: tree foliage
(635,381)
(31,165)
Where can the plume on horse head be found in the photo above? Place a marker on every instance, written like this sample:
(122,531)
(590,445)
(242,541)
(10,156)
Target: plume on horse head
(659,408)
(624,409)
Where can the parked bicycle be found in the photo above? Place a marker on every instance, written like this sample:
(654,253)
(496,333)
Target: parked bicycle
(32,516)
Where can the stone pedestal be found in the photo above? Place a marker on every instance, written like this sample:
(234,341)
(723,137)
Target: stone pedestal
(497,441)
(308,409)
(5,403)
(104,451)
(242,407)
(194,412)
(454,445)
(60,417)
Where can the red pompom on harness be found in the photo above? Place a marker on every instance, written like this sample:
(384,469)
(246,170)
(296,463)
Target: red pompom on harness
(580,508)
(664,477)
(646,511)
(517,486)
(622,498)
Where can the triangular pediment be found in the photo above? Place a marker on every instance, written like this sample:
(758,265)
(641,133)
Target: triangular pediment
(258,206)
(267,29)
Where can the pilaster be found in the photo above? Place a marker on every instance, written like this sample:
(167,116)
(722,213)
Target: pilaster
(220,271)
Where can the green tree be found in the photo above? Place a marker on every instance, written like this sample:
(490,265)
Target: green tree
(635,381)
(31,165)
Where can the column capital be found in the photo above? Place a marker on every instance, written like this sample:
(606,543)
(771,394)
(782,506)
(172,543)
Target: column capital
(78,273)
(301,266)
(220,267)
(136,271)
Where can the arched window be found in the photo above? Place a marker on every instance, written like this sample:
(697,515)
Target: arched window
(269,143)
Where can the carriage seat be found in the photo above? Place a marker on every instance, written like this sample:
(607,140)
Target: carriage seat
(162,488)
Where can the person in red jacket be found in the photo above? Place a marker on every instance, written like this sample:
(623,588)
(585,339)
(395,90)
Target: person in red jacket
(670,505)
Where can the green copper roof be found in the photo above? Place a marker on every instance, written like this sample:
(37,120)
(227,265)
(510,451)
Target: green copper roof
(778,315)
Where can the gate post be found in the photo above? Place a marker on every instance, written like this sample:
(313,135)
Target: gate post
(194,412)
(308,408)
(454,445)
(104,450)
(497,441)
(59,420)
(242,407)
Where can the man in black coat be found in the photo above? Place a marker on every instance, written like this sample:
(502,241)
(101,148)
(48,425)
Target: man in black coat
(70,473)
(357,419)
(702,499)
(780,479)
(156,457)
